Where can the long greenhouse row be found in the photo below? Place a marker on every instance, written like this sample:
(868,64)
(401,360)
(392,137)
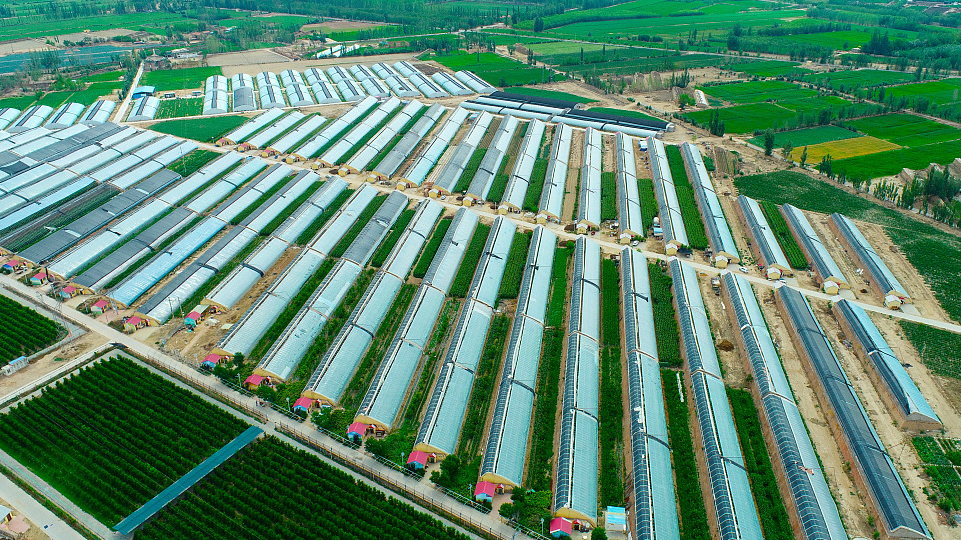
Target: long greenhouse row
(873,468)
(444,416)
(732,502)
(14,120)
(315,86)
(575,486)
(813,505)
(504,457)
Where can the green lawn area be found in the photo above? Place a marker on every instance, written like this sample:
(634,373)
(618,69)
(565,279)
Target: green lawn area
(84,97)
(807,136)
(917,240)
(109,76)
(841,40)
(757,91)
(906,129)
(496,70)
(624,112)
(768,68)
(200,129)
(941,92)
(537,92)
(179,79)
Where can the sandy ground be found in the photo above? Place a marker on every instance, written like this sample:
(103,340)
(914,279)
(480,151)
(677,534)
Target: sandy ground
(23,45)
(102,34)
(49,362)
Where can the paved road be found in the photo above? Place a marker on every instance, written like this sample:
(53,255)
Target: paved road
(421,490)
(121,111)
(22,502)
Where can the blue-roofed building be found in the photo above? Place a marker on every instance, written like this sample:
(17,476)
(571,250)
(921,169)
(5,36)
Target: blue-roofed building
(142,91)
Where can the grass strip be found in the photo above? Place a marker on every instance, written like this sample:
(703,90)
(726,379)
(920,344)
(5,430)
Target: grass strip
(430,249)
(691,511)
(358,226)
(465,273)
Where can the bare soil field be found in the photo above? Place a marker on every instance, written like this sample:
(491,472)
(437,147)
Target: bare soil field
(23,45)
(255,61)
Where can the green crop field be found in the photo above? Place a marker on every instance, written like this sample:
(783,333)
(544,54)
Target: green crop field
(178,108)
(200,129)
(24,332)
(114,435)
(940,459)
(916,240)
(768,68)
(624,112)
(757,91)
(943,92)
(496,70)
(841,40)
(906,129)
(850,80)
(807,136)
(553,94)
(634,63)
(747,118)
(940,350)
(306,495)
(179,79)
(786,113)
(892,161)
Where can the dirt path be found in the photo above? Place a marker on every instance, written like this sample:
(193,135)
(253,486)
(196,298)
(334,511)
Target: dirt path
(571,188)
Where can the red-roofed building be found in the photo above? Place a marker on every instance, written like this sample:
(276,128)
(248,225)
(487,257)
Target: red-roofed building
(357,431)
(99,307)
(484,492)
(39,278)
(561,527)
(132,324)
(13,265)
(211,361)
(252,382)
(68,292)
(303,404)
(417,459)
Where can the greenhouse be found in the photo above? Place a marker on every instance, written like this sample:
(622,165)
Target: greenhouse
(445,179)
(490,165)
(652,490)
(255,322)
(335,370)
(669,209)
(769,255)
(520,177)
(337,153)
(425,161)
(723,248)
(734,508)
(408,142)
(286,353)
(385,397)
(629,218)
(552,196)
(589,203)
(575,492)
(444,418)
(878,273)
(330,133)
(821,260)
(359,161)
(504,457)
(876,472)
(811,498)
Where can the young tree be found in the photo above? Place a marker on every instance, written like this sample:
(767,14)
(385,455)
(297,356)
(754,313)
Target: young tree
(804,156)
(768,142)
(538,24)
(787,149)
